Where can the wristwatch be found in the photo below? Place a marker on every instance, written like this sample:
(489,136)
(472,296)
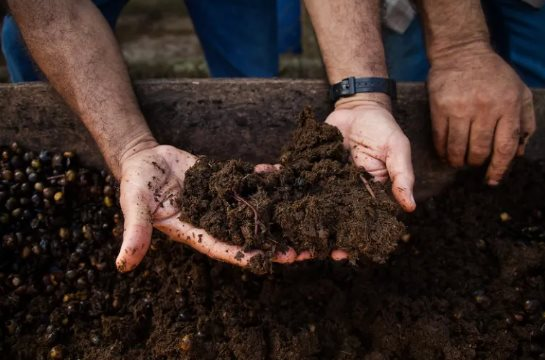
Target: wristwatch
(352,85)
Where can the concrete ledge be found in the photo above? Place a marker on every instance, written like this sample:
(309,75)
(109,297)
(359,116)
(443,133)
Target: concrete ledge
(248,118)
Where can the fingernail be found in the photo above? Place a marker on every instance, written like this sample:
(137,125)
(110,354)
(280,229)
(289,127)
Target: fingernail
(121,265)
(493,182)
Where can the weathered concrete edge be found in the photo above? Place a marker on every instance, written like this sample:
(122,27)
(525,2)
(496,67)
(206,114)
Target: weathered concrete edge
(218,118)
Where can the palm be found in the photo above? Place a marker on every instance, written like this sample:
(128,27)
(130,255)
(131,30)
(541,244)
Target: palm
(368,136)
(157,181)
(377,143)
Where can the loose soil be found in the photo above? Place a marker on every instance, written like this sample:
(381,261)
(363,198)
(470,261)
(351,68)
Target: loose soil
(469,284)
(317,201)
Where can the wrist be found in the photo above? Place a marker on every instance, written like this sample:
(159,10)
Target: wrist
(369,69)
(453,52)
(134,145)
(364,99)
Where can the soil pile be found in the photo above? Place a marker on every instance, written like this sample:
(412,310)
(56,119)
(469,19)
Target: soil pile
(317,201)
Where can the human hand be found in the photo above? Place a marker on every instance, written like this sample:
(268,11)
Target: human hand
(376,143)
(479,107)
(152,180)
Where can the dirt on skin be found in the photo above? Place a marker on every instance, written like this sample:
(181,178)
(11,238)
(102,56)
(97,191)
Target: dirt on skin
(317,201)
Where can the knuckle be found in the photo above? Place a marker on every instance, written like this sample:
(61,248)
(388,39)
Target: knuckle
(483,99)
(447,101)
(456,157)
(528,94)
(456,153)
(505,149)
(480,152)
(478,155)
(511,98)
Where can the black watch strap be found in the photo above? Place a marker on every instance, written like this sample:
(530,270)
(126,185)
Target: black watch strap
(352,85)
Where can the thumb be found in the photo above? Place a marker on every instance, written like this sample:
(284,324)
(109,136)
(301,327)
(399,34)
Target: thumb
(400,169)
(137,231)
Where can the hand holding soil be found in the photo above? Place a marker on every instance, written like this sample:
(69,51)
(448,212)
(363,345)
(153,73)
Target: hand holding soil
(151,183)
(376,143)
(316,203)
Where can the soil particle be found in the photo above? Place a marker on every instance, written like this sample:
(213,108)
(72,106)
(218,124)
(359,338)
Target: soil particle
(317,201)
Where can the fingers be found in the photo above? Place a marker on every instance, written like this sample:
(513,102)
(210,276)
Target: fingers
(305,255)
(137,232)
(265,168)
(457,141)
(476,141)
(372,165)
(286,257)
(339,255)
(506,141)
(400,168)
(480,141)
(206,244)
(527,122)
(336,255)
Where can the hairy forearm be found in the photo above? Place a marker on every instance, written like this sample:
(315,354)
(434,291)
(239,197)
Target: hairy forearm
(76,50)
(451,26)
(349,35)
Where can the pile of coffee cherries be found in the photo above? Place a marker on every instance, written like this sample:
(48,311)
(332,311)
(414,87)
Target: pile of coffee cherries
(54,214)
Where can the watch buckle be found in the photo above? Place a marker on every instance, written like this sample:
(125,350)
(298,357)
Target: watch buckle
(348,86)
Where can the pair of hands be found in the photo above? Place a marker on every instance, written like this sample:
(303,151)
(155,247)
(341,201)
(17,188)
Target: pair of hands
(480,109)
(370,131)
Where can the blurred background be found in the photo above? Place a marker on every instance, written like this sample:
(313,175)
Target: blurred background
(158,40)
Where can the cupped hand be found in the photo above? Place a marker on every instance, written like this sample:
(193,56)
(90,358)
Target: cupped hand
(151,185)
(480,109)
(377,144)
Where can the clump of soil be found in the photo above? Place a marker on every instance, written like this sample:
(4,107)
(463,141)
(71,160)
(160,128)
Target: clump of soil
(317,201)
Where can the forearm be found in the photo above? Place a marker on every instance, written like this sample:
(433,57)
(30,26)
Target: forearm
(349,35)
(453,26)
(75,48)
